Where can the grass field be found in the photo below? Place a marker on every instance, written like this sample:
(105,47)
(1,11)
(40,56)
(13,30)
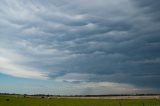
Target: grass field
(32,101)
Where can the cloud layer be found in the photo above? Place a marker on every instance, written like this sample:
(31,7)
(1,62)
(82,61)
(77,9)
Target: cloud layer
(82,41)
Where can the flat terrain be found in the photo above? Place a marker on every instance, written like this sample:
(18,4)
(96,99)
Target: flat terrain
(79,101)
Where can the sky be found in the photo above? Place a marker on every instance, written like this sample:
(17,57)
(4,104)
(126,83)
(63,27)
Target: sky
(79,47)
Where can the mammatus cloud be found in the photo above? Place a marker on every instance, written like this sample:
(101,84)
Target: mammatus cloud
(82,41)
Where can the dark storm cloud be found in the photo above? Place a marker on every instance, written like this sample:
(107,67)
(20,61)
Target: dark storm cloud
(151,8)
(102,41)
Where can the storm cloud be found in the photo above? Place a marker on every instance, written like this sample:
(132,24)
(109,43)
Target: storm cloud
(82,41)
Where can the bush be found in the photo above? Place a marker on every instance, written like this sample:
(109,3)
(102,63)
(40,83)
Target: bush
(7,99)
(42,97)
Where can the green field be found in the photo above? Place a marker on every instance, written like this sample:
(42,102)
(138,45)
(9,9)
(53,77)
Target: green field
(31,101)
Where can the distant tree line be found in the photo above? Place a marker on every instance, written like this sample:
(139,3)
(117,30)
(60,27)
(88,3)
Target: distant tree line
(48,95)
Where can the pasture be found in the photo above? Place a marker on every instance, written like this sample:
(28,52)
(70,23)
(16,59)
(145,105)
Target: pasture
(65,101)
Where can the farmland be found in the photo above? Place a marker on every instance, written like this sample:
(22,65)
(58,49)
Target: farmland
(6,100)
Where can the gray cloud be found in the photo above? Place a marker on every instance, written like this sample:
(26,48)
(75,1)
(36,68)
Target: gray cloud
(102,41)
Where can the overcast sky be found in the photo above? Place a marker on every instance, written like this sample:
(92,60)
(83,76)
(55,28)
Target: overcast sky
(80,46)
